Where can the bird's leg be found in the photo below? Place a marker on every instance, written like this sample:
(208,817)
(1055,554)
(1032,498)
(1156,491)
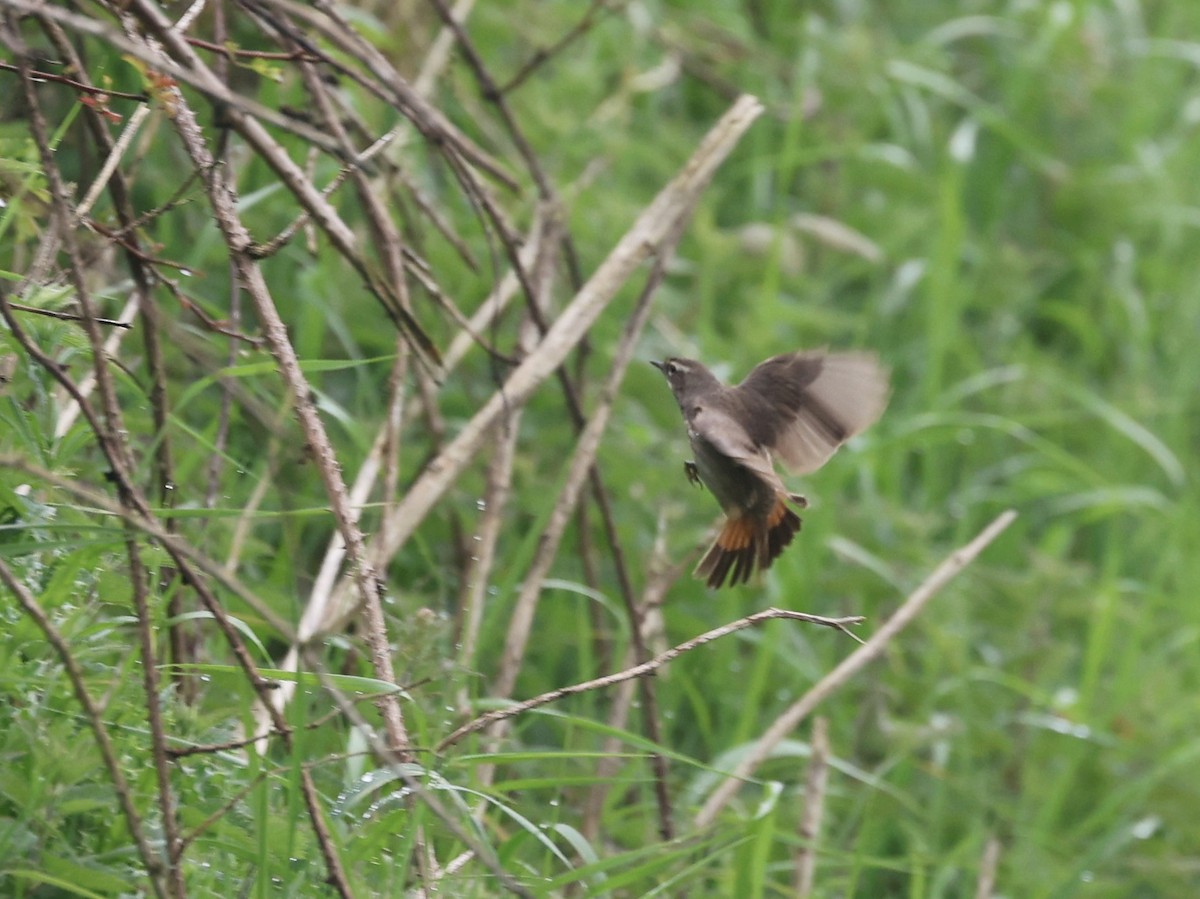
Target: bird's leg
(692,472)
(800,501)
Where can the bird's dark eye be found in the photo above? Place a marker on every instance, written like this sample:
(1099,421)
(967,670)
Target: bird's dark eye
(672,368)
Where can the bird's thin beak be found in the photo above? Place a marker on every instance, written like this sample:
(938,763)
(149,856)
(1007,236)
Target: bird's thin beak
(661,366)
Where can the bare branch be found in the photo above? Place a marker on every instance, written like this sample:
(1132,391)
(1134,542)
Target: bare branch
(850,666)
(150,859)
(645,668)
(67,316)
(644,238)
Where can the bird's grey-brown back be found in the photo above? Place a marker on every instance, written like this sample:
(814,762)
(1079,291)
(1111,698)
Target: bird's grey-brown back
(802,406)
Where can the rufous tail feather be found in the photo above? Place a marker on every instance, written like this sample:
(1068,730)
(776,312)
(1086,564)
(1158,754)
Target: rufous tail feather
(747,544)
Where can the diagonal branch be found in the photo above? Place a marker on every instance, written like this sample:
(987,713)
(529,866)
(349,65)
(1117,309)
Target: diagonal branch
(645,238)
(649,667)
(850,666)
(152,861)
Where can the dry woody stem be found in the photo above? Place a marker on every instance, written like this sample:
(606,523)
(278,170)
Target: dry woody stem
(849,666)
(645,668)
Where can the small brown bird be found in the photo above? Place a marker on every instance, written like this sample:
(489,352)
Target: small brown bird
(799,407)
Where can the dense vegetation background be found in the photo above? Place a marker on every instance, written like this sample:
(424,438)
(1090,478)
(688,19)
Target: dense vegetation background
(999,198)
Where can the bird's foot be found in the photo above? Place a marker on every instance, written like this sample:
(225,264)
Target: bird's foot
(692,472)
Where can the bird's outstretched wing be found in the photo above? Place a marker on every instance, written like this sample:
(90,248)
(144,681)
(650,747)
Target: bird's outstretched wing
(729,439)
(803,406)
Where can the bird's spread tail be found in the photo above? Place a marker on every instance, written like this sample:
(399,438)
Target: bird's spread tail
(747,544)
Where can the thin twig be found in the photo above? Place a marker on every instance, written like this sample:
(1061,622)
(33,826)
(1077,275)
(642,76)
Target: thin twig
(324,18)
(849,666)
(643,238)
(582,460)
(492,93)
(81,86)
(582,467)
(328,608)
(95,719)
(229,805)
(234,53)
(388,241)
(67,316)
(542,55)
(190,563)
(111,436)
(276,156)
(478,192)
(608,680)
(415,779)
(143,268)
(200,78)
(180,549)
(224,206)
(521,617)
